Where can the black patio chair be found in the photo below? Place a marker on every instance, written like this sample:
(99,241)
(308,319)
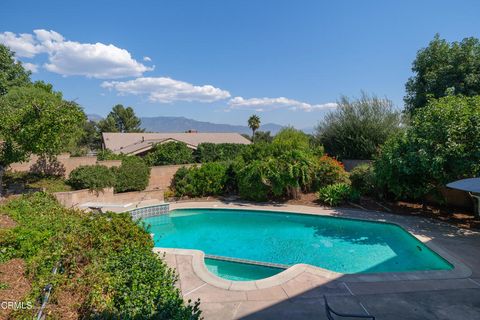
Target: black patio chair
(329,311)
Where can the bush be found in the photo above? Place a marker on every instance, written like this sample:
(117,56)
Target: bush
(441,145)
(329,171)
(48,167)
(109,155)
(169,153)
(107,263)
(283,176)
(337,193)
(213,152)
(362,178)
(209,179)
(91,177)
(357,128)
(132,175)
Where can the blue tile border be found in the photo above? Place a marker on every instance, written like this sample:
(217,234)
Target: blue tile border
(150,211)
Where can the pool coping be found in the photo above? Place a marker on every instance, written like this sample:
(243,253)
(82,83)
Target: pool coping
(460,270)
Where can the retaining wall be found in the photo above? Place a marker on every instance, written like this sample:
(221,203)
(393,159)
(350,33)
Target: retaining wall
(74,198)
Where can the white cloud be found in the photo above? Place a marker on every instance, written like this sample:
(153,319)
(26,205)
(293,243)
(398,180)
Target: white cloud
(30,66)
(268,104)
(148,59)
(94,60)
(24,45)
(166,90)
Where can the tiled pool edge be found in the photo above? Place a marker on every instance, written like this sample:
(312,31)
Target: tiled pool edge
(459,271)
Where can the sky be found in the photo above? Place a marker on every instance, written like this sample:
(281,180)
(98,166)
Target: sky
(221,61)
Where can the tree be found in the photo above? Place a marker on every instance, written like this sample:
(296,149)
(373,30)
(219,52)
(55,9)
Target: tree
(263,136)
(441,145)
(121,119)
(254,124)
(12,73)
(170,153)
(443,69)
(34,120)
(290,138)
(358,127)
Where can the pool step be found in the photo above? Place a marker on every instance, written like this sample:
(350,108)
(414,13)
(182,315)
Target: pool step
(257,263)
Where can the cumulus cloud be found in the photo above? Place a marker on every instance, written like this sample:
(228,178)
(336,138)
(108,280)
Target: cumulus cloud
(94,60)
(24,44)
(268,104)
(166,90)
(30,66)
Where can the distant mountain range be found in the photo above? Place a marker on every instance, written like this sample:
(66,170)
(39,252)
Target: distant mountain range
(182,124)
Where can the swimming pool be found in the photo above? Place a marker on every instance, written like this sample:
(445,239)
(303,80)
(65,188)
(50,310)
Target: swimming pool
(284,238)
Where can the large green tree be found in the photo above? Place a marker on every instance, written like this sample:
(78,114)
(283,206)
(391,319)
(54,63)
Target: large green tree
(121,119)
(441,144)
(358,127)
(443,69)
(12,73)
(36,120)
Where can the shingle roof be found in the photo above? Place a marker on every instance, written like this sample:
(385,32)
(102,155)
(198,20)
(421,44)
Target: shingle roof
(134,143)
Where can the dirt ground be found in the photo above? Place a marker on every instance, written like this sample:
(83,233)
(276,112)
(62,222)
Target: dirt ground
(12,275)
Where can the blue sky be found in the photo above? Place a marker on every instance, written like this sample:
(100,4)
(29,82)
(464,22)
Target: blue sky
(221,61)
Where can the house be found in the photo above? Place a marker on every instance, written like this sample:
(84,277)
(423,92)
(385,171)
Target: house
(140,143)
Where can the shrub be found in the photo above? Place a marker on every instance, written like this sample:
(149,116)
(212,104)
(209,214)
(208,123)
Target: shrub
(337,193)
(132,175)
(213,152)
(329,171)
(362,178)
(91,177)
(109,155)
(441,145)
(282,176)
(169,153)
(107,263)
(207,180)
(357,128)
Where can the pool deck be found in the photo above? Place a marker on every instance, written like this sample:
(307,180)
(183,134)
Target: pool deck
(297,293)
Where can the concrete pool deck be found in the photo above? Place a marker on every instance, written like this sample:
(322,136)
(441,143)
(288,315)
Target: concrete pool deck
(297,292)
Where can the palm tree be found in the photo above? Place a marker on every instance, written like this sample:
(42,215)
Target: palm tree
(254,124)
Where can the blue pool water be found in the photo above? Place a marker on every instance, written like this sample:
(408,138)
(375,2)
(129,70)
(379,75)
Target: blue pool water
(239,271)
(341,245)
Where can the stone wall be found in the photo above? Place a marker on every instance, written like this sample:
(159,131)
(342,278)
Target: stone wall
(74,198)
(161,176)
(70,163)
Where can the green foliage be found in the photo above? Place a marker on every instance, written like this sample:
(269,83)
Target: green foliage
(337,193)
(106,261)
(109,155)
(121,119)
(212,152)
(362,178)
(210,179)
(90,137)
(290,138)
(329,171)
(443,69)
(91,177)
(34,120)
(29,180)
(170,153)
(12,73)
(254,124)
(132,175)
(442,144)
(263,136)
(280,175)
(357,128)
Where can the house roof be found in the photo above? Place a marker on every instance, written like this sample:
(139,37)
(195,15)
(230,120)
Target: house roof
(134,143)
